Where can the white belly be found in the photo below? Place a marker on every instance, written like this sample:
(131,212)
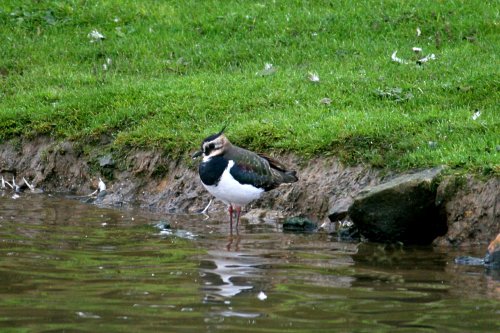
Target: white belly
(232,192)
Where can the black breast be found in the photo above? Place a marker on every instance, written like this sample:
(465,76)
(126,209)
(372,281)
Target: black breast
(211,170)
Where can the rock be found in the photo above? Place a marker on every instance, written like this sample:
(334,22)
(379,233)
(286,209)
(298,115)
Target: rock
(469,261)
(400,210)
(492,257)
(101,195)
(328,227)
(258,215)
(347,232)
(491,260)
(299,224)
(340,209)
(106,161)
(162,225)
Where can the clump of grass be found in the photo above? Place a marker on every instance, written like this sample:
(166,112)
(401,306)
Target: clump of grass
(168,74)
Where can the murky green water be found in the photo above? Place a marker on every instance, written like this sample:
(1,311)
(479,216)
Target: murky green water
(67,266)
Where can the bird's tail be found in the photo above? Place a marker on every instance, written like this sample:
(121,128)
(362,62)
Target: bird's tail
(287,176)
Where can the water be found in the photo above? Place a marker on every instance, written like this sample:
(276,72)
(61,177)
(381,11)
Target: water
(72,267)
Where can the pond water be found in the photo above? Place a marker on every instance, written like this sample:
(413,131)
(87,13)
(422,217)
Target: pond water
(73,267)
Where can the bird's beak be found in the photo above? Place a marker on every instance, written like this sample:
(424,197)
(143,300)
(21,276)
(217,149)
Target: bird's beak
(197,154)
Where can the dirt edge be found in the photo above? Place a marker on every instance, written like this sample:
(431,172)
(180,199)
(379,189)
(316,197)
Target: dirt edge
(152,181)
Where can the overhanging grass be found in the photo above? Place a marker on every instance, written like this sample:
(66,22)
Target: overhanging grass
(178,71)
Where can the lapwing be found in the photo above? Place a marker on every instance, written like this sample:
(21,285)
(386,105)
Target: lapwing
(238,176)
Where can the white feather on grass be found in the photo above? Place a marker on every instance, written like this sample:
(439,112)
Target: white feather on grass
(395,58)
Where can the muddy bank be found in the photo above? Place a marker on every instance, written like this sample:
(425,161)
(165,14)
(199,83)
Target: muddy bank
(152,181)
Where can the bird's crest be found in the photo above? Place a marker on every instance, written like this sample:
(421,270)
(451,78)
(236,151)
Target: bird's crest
(223,129)
(215,136)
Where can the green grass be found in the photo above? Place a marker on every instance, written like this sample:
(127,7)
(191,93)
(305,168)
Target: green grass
(180,70)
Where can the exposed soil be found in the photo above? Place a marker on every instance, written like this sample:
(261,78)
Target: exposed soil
(152,181)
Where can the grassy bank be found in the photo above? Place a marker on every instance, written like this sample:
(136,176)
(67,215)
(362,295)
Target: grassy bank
(168,73)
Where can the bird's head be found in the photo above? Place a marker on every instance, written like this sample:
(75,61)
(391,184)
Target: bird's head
(213,145)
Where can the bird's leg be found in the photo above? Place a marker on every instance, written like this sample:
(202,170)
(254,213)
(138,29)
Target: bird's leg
(238,213)
(230,209)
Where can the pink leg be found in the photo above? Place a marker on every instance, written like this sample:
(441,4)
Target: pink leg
(238,213)
(230,209)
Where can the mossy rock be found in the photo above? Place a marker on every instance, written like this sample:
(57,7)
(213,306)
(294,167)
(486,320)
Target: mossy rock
(299,224)
(401,210)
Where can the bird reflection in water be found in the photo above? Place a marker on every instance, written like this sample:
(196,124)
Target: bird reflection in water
(230,272)
(233,241)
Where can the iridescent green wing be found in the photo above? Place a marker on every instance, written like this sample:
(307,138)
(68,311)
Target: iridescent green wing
(250,168)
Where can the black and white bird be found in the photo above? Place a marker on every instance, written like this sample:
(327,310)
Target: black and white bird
(238,176)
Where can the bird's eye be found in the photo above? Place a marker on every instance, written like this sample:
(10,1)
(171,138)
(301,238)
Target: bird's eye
(208,148)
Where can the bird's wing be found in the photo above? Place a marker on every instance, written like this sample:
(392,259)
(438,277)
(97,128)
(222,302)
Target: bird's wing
(273,163)
(250,168)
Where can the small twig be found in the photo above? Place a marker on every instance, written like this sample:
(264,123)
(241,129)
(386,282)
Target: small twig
(6,182)
(204,211)
(30,186)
